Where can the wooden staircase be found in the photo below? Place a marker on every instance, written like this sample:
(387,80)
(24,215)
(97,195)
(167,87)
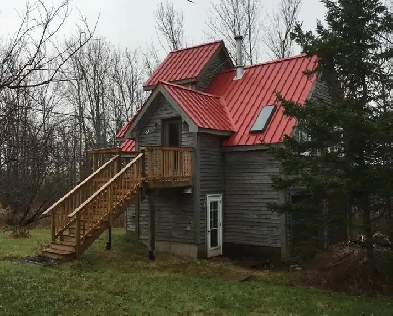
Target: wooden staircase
(82,215)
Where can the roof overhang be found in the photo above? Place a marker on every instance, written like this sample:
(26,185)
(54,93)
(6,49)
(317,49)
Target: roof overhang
(214,132)
(178,82)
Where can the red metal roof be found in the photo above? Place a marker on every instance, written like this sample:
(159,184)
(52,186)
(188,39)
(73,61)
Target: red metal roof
(183,64)
(244,98)
(124,129)
(205,110)
(128,145)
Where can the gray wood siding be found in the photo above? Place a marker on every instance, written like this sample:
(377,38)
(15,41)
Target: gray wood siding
(174,216)
(211,174)
(321,91)
(162,110)
(130,219)
(248,189)
(218,63)
(174,209)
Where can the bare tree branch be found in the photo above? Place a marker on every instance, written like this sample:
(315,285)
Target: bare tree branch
(170,24)
(229,18)
(30,50)
(277,35)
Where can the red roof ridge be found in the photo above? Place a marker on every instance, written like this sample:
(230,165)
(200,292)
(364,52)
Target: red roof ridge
(189,89)
(196,46)
(268,62)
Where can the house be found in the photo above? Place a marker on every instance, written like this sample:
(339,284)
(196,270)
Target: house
(198,172)
(229,115)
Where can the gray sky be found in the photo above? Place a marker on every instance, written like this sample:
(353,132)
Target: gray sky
(130,23)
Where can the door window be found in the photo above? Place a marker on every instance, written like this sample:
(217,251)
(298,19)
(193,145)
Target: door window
(172,133)
(214,224)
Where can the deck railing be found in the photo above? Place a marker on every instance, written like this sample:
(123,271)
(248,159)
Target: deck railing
(168,163)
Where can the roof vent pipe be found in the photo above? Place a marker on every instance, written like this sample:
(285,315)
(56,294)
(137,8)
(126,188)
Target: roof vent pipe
(239,57)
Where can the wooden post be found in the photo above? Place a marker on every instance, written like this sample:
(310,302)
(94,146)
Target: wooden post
(110,210)
(119,163)
(95,162)
(53,224)
(78,234)
(109,241)
(137,219)
(143,151)
(152,225)
(143,174)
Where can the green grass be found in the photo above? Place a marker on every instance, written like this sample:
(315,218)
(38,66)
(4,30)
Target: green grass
(124,281)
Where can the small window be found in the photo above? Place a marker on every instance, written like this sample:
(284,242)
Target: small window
(263,119)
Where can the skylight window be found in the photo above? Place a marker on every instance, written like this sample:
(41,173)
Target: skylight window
(263,119)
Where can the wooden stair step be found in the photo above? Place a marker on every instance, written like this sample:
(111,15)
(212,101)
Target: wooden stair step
(62,247)
(57,254)
(64,242)
(67,237)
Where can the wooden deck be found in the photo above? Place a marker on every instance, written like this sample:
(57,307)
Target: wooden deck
(162,167)
(168,166)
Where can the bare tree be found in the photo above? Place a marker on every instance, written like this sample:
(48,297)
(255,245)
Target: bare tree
(28,136)
(151,60)
(109,90)
(170,24)
(277,34)
(125,94)
(229,18)
(33,49)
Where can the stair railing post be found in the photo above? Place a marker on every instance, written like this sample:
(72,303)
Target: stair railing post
(78,234)
(118,162)
(110,217)
(95,162)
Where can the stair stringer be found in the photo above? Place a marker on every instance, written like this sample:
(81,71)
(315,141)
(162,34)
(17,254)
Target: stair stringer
(105,225)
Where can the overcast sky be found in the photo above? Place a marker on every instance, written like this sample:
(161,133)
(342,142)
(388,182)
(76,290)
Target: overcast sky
(130,23)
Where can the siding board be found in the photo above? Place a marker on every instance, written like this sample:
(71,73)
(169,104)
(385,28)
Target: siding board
(248,189)
(211,174)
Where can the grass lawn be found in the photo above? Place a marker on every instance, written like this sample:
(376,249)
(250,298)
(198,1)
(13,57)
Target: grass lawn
(124,281)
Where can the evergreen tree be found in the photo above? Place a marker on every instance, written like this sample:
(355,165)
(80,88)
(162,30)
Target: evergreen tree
(343,144)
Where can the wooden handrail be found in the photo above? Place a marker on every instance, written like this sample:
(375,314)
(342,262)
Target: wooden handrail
(104,187)
(168,148)
(104,150)
(80,185)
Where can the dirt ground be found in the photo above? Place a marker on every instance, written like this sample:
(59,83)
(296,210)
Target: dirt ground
(342,268)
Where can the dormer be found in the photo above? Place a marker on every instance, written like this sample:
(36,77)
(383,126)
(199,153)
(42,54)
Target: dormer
(193,67)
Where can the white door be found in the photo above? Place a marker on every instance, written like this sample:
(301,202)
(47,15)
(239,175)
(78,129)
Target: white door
(214,225)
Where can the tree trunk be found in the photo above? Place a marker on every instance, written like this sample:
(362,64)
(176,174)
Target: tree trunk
(369,236)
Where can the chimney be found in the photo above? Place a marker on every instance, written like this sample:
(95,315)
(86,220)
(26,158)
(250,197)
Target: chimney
(239,57)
